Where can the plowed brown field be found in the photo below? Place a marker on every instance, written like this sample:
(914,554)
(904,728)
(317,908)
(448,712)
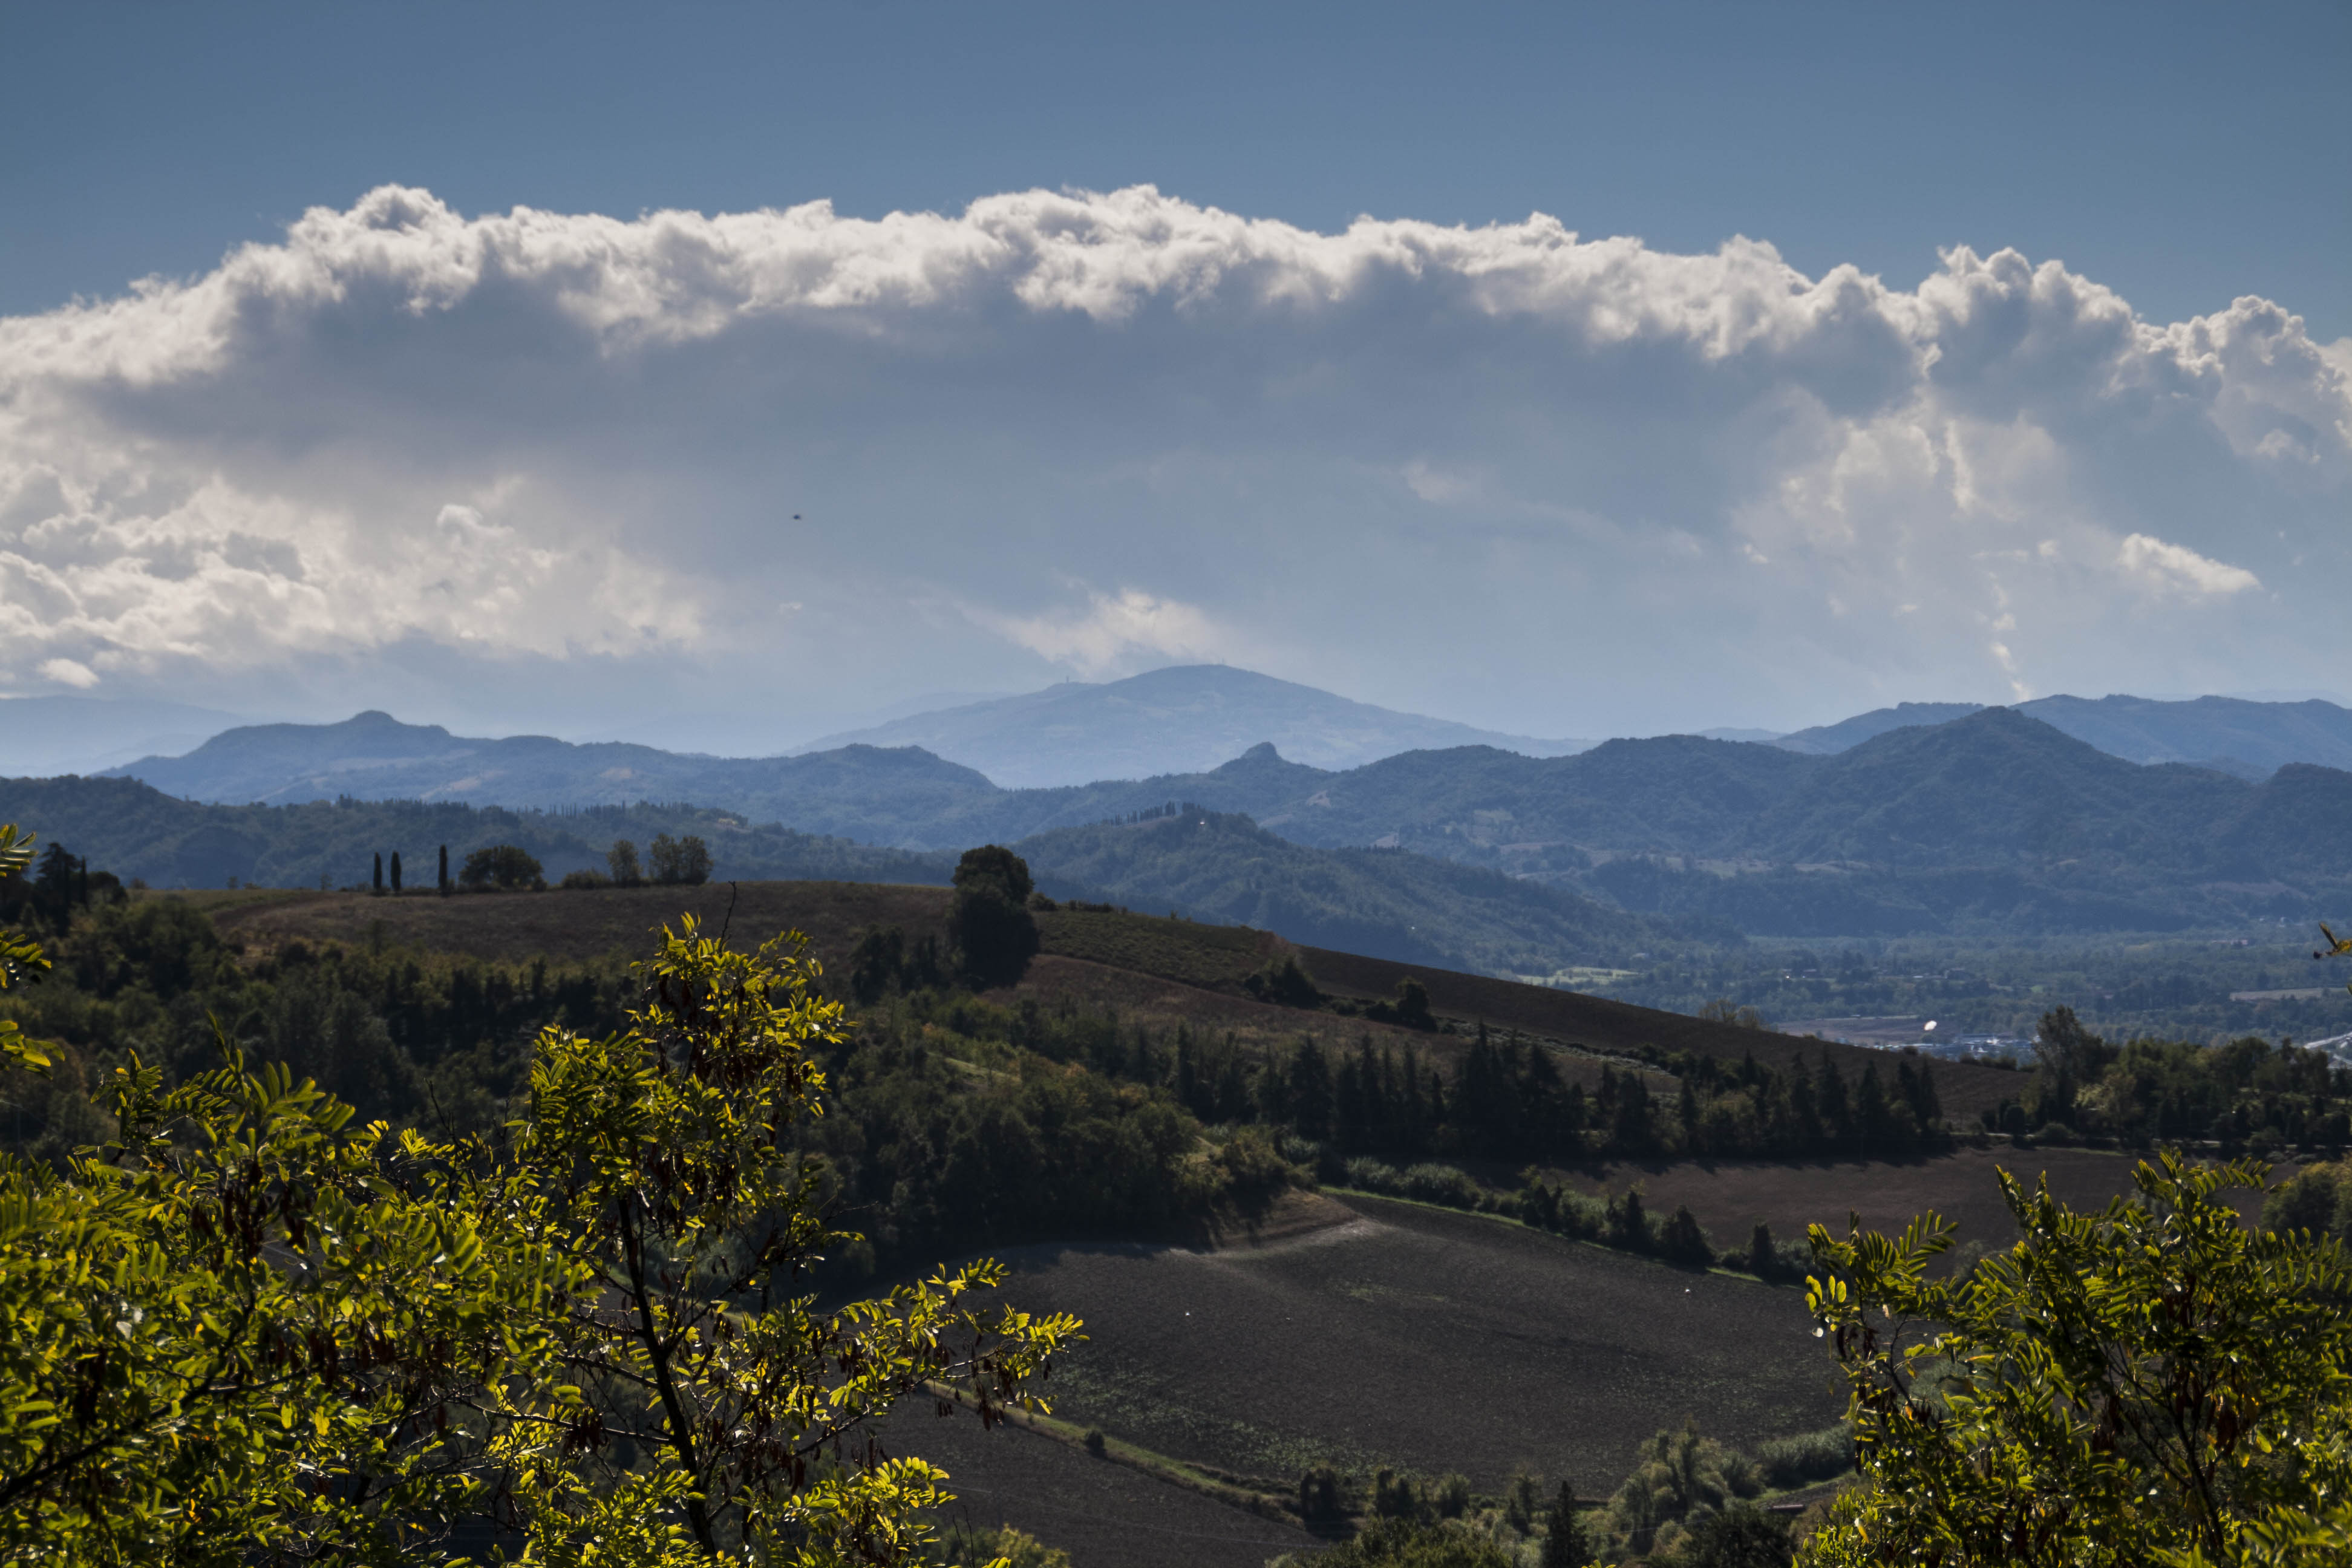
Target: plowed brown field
(1423,1340)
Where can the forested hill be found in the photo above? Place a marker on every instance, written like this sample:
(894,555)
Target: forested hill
(133,830)
(1993,823)
(1205,866)
(1385,903)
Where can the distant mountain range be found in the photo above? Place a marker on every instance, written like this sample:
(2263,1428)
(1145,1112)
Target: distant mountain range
(1184,719)
(2232,734)
(1206,866)
(1992,823)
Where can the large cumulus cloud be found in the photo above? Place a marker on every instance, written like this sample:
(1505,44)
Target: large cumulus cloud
(535,464)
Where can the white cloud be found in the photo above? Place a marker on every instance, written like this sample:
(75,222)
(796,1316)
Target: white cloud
(1497,471)
(65,672)
(1117,634)
(2178,568)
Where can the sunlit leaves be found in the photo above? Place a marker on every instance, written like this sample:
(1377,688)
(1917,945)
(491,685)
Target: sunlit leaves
(2151,1381)
(247,1331)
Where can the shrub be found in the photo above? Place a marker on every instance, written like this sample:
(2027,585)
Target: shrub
(1284,982)
(1318,1496)
(1094,1444)
(576,880)
(1253,1167)
(1445,1185)
(1405,1543)
(1741,1536)
(1808,1457)
(1012,1546)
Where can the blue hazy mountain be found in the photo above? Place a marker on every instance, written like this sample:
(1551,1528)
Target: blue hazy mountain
(1182,719)
(2234,734)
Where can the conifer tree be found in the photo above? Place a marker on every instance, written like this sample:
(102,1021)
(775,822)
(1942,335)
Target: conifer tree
(1565,1544)
(379,871)
(396,872)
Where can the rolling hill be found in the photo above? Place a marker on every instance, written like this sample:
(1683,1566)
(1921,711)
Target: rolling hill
(1993,823)
(1208,867)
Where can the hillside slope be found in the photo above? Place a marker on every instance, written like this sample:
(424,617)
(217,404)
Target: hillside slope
(1398,906)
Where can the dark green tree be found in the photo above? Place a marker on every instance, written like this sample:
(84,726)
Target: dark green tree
(499,866)
(1682,1241)
(1412,1004)
(395,871)
(378,876)
(993,867)
(1741,1536)
(1566,1543)
(988,923)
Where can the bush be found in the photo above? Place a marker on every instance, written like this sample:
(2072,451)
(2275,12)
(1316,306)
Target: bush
(2319,1201)
(1016,1549)
(1318,1496)
(1445,1185)
(1255,1169)
(1809,1456)
(576,880)
(1284,982)
(1405,1543)
(500,866)
(1741,1536)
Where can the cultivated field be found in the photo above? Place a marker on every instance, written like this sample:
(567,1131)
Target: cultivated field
(1730,1196)
(582,923)
(1104,1514)
(1424,1340)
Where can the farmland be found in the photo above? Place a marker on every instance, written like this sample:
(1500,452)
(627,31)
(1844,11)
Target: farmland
(1427,1341)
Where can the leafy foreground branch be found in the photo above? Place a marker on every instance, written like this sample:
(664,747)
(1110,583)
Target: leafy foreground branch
(2152,1383)
(248,1332)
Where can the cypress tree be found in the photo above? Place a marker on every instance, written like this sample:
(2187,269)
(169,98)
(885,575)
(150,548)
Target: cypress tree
(1828,1097)
(1566,1545)
(1871,1116)
(445,867)
(379,871)
(396,872)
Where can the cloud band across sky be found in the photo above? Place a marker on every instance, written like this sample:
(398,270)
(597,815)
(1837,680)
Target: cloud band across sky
(548,467)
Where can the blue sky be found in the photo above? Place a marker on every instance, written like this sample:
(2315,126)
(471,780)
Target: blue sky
(2176,158)
(2183,153)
